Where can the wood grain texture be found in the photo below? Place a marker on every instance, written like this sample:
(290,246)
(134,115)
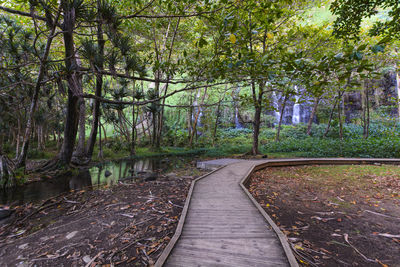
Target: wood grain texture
(223,228)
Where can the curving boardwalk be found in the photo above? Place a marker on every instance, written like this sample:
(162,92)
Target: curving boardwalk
(224,228)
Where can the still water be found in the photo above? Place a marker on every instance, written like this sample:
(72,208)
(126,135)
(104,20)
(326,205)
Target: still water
(108,173)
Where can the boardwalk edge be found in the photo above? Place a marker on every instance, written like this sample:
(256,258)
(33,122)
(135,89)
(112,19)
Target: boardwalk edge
(282,238)
(168,249)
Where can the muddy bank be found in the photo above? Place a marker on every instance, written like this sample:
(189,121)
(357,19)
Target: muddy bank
(127,224)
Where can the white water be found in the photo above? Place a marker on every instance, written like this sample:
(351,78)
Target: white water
(296,108)
(238,125)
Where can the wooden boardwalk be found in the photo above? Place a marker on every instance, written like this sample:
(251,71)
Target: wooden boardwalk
(224,228)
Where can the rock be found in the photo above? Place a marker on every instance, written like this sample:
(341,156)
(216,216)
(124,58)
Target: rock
(150,177)
(4,213)
(128,178)
(166,160)
(87,259)
(171,175)
(71,235)
(107,173)
(23,246)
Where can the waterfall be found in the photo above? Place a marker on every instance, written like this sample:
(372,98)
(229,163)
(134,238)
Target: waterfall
(296,108)
(238,125)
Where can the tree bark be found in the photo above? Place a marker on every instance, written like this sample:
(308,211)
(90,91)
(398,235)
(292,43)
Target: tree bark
(398,89)
(314,111)
(366,114)
(42,71)
(257,99)
(340,117)
(98,92)
(330,117)
(216,121)
(280,118)
(80,149)
(133,137)
(74,86)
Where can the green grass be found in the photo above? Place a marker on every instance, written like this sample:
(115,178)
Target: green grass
(365,177)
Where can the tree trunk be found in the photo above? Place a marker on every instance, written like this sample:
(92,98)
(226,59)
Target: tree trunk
(216,123)
(99,86)
(256,129)
(7,177)
(366,115)
(257,99)
(314,111)
(42,70)
(133,137)
(281,118)
(194,130)
(340,117)
(330,117)
(100,154)
(80,149)
(18,139)
(398,89)
(74,87)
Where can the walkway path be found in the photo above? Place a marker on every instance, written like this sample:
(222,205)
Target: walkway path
(224,228)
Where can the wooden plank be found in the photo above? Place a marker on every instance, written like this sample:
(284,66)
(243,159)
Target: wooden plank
(223,228)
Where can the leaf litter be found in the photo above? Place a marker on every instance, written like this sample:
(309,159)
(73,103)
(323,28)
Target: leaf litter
(127,225)
(335,215)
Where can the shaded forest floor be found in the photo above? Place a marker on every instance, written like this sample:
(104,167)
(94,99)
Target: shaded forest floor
(335,215)
(128,224)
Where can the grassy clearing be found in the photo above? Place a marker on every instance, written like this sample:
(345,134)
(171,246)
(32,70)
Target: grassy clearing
(370,179)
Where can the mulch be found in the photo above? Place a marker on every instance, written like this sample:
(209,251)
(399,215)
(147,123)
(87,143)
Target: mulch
(344,226)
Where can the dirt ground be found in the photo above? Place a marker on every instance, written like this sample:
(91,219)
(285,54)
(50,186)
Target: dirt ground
(126,225)
(335,215)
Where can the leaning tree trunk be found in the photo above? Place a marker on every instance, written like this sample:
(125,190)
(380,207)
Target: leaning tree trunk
(41,75)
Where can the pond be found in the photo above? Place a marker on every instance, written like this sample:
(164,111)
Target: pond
(107,173)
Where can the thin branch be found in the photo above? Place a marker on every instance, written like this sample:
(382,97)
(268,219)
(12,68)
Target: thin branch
(21,13)
(170,15)
(118,102)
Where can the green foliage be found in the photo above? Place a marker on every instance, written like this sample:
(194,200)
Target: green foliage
(316,147)
(350,14)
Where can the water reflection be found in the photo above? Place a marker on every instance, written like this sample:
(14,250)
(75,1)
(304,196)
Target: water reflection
(86,178)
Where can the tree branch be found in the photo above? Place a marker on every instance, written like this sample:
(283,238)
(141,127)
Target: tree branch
(21,13)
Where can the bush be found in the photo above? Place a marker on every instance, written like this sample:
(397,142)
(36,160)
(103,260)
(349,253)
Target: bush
(317,147)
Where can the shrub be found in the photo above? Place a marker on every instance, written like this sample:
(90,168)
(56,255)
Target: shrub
(317,147)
